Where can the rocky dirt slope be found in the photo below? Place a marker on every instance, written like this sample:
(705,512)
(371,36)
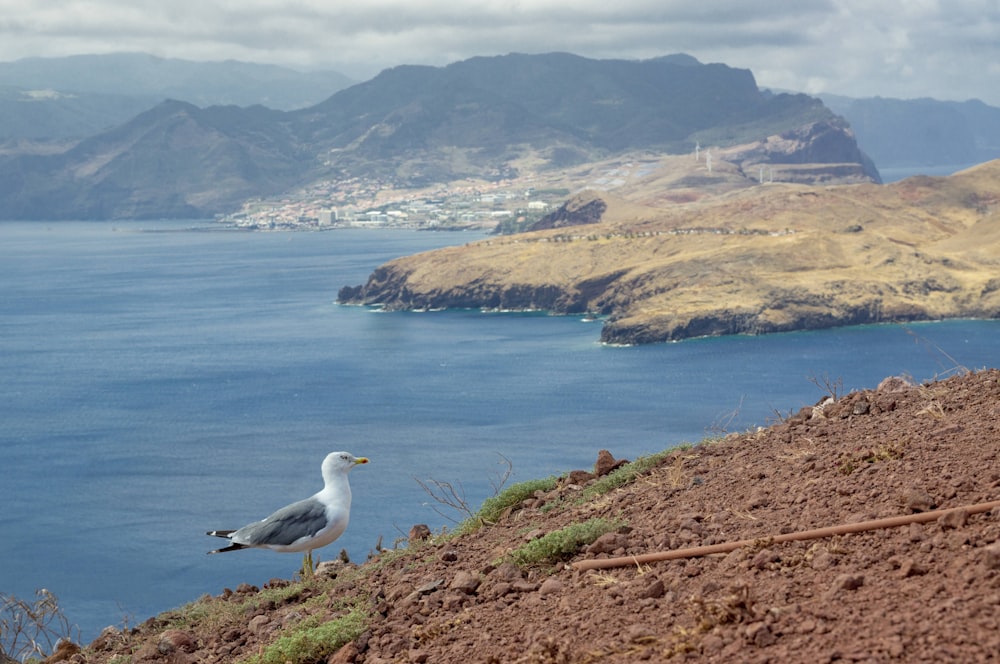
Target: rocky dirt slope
(921,592)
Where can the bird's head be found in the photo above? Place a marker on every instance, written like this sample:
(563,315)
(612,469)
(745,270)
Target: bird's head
(341,462)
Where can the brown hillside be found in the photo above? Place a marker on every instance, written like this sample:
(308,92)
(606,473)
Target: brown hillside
(768,258)
(928,591)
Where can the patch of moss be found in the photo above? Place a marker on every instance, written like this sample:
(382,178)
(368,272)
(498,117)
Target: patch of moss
(494,508)
(562,544)
(314,641)
(210,611)
(624,475)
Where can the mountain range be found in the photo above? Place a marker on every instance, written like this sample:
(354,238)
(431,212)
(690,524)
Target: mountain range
(411,125)
(134,136)
(898,133)
(81,95)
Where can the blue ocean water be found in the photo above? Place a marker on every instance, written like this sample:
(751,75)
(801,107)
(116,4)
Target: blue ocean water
(163,379)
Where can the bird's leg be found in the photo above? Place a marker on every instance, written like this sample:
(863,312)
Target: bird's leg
(307,565)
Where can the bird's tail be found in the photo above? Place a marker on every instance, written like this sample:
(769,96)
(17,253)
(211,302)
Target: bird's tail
(232,547)
(221,533)
(225,534)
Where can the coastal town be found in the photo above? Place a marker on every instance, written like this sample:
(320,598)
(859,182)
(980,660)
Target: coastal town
(504,206)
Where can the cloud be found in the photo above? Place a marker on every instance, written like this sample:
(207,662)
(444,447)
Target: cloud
(896,48)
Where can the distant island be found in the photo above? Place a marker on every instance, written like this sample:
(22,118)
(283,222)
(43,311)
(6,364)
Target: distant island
(662,263)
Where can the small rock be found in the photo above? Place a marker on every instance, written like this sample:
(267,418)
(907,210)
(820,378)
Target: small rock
(418,657)
(823,560)
(537,533)
(523,586)
(712,643)
(692,525)
(454,601)
(290,618)
(654,590)
(346,655)
(947,430)
(908,568)
(550,586)
(758,499)
(258,624)
(608,543)
(419,533)
(992,556)
(861,407)
(848,582)
(465,582)
(509,572)
(173,640)
(579,477)
(501,589)
(953,518)
(760,634)
(65,650)
(894,646)
(429,587)
(894,384)
(764,558)
(641,634)
(331,568)
(607,463)
(108,636)
(918,500)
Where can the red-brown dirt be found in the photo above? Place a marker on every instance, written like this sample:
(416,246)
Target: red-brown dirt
(917,593)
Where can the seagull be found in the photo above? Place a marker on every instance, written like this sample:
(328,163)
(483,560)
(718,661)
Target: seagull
(306,525)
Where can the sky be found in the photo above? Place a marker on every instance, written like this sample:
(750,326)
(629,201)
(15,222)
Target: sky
(945,49)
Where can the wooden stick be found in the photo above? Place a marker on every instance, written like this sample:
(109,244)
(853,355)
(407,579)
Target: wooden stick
(829,531)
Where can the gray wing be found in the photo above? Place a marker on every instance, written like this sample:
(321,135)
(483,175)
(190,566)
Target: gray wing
(302,519)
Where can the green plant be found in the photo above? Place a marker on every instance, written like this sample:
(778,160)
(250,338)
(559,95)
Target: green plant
(314,641)
(205,611)
(625,475)
(563,543)
(493,508)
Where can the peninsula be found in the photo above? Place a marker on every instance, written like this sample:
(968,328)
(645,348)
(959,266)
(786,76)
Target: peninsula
(683,250)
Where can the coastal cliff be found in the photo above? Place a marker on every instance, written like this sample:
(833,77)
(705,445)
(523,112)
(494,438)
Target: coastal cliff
(770,258)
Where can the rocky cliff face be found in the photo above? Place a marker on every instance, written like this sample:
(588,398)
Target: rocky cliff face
(769,259)
(824,151)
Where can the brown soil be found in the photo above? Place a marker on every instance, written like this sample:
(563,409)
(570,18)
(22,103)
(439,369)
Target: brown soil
(927,592)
